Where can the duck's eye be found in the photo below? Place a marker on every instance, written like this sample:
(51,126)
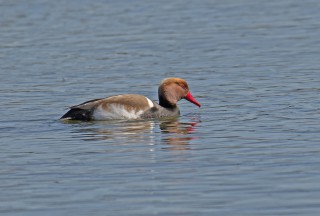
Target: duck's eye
(183,86)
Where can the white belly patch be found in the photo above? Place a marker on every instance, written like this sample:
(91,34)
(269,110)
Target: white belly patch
(115,111)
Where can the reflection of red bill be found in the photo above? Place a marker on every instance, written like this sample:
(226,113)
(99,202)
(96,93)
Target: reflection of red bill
(191,128)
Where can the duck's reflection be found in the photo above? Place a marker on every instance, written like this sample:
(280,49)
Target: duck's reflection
(175,134)
(118,131)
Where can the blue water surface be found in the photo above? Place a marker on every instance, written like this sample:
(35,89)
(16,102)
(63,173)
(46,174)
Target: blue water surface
(252,149)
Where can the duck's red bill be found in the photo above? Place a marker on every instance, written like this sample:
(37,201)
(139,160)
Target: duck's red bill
(190,98)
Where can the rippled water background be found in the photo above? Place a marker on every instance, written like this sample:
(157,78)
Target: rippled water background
(252,149)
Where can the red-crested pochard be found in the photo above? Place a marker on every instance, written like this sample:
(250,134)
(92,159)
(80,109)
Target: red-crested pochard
(135,106)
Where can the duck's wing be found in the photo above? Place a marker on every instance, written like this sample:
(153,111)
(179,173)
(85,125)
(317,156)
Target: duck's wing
(88,104)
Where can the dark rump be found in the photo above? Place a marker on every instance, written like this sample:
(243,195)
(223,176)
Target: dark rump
(78,114)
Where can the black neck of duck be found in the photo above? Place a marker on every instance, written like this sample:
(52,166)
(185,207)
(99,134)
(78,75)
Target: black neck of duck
(165,103)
